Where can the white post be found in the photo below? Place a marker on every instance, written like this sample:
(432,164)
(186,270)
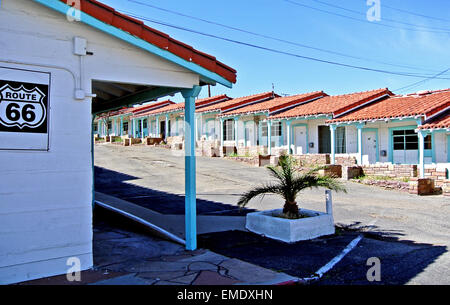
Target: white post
(142,128)
(221,137)
(421,135)
(288,135)
(329,202)
(333,143)
(359,160)
(269,137)
(236,140)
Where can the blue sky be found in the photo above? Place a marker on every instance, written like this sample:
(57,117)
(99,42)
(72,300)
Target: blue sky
(259,69)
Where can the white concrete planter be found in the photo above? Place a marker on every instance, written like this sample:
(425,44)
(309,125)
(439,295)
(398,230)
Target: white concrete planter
(292,230)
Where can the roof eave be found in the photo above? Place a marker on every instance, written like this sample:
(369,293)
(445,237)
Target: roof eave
(205,75)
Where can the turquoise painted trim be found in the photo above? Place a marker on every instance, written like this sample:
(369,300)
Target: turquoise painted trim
(417,121)
(448,148)
(433,148)
(138,42)
(121,126)
(307,134)
(190,168)
(378,140)
(391,142)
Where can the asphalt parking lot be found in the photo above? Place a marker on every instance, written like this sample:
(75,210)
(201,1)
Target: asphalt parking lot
(409,234)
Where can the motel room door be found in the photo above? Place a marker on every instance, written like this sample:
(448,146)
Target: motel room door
(405,147)
(369,147)
(324,140)
(300,140)
(211,130)
(249,134)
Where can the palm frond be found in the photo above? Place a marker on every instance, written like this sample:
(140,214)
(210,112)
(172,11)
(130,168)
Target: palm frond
(289,183)
(259,191)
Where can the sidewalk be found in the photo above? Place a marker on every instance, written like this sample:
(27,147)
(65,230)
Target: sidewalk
(128,253)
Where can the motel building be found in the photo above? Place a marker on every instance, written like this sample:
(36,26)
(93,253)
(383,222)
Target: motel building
(390,131)
(168,122)
(54,72)
(119,123)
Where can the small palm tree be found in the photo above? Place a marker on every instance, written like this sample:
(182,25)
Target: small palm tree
(290,184)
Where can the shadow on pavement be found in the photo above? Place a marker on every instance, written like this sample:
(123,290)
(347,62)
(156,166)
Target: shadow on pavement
(401,260)
(115,184)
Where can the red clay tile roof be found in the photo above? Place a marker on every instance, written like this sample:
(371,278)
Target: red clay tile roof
(400,106)
(332,105)
(276,104)
(143,109)
(163,41)
(442,122)
(199,103)
(136,110)
(237,102)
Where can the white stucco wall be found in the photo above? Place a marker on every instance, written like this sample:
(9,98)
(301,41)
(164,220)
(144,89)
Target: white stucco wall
(46,197)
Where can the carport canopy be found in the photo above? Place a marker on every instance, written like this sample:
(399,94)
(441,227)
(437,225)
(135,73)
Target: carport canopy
(117,86)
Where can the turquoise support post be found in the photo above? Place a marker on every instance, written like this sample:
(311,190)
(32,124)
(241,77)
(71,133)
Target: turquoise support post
(333,143)
(190,184)
(121,126)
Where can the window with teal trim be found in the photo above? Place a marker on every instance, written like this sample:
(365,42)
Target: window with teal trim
(405,139)
(427,142)
(228,130)
(109,125)
(275,130)
(264,129)
(125,126)
(95,127)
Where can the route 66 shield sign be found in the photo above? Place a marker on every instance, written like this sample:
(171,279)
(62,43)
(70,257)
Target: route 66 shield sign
(24,109)
(21,107)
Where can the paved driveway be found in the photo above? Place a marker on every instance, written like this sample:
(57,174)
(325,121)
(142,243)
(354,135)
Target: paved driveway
(154,178)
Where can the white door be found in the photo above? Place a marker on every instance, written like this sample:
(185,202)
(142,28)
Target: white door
(249,134)
(369,147)
(300,140)
(211,130)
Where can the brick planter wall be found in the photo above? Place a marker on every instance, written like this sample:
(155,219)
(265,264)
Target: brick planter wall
(316,159)
(263,160)
(253,160)
(422,186)
(345,160)
(391,170)
(446,188)
(208,148)
(153,141)
(229,150)
(351,172)
(438,175)
(332,170)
